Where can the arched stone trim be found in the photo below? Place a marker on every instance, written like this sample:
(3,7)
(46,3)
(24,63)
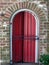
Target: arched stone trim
(37,32)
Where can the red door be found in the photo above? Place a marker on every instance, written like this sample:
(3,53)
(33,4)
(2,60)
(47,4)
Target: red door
(23,43)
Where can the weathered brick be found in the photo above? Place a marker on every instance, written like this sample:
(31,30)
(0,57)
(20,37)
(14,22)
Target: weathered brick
(4,28)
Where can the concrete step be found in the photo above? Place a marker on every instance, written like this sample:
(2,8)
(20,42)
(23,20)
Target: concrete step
(25,64)
(20,64)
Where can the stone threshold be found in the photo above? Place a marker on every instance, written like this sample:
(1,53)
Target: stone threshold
(20,64)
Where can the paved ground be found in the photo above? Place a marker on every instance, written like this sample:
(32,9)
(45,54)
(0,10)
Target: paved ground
(20,64)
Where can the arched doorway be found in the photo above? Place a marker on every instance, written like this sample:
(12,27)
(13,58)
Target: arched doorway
(24,37)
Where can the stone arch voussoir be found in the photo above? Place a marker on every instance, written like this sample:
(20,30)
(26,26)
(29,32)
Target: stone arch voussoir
(24,5)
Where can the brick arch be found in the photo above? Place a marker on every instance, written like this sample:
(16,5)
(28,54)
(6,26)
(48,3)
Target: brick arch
(25,5)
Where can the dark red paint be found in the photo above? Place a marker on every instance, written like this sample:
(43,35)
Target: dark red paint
(23,49)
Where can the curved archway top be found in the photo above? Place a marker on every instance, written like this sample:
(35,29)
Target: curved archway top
(25,5)
(21,10)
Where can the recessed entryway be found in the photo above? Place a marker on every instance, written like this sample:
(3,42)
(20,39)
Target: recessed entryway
(24,37)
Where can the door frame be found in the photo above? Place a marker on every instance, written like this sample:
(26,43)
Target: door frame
(37,33)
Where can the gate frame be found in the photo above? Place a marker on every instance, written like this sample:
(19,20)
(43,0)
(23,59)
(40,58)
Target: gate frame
(37,33)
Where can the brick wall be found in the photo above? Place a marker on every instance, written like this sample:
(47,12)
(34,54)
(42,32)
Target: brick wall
(48,26)
(4,26)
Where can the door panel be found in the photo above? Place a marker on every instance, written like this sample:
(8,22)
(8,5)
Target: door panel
(16,37)
(29,32)
(23,31)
